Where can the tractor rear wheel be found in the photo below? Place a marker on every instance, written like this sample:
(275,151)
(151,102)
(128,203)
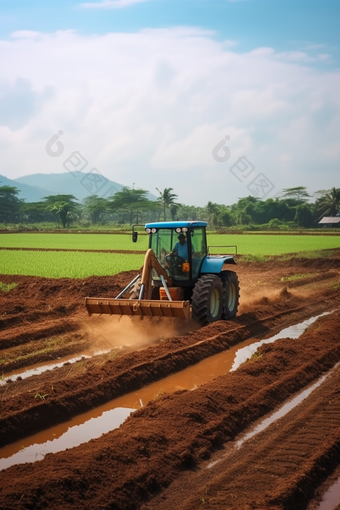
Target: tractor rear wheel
(231,294)
(207,299)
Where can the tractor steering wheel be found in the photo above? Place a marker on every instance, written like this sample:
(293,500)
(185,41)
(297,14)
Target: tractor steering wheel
(175,263)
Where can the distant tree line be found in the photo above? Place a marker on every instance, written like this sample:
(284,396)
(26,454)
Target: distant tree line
(294,208)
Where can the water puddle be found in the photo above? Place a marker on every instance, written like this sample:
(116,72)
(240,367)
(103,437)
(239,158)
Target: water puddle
(39,368)
(288,406)
(102,419)
(331,498)
(108,336)
(75,435)
(245,353)
(282,411)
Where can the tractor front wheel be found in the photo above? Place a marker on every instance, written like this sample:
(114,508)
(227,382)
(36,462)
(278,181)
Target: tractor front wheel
(207,299)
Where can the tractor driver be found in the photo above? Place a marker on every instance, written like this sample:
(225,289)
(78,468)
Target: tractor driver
(181,248)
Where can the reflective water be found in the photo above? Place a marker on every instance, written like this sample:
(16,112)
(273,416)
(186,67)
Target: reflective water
(39,368)
(294,331)
(288,406)
(331,498)
(107,336)
(59,440)
(282,411)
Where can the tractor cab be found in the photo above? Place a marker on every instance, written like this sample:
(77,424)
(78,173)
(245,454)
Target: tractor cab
(180,247)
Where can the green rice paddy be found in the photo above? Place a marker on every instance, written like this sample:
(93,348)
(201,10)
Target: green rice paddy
(73,241)
(66,264)
(273,244)
(75,264)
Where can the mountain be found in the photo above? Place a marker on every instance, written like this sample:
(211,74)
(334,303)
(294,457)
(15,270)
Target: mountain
(26,192)
(79,184)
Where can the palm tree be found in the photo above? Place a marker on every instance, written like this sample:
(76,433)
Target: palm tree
(63,206)
(329,203)
(132,200)
(213,212)
(166,198)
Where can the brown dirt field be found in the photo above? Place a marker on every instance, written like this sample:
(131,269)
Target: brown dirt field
(159,458)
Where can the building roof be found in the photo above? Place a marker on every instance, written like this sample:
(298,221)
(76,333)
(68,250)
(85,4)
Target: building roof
(330,219)
(174,224)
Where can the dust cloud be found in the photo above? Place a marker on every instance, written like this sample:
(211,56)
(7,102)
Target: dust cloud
(254,298)
(111,332)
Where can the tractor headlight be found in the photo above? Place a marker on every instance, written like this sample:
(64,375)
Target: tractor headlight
(178,230)
(148,230)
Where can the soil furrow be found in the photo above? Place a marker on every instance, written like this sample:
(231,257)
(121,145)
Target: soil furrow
(111,380)
(157,458)
(34,331)
(173,434)
(279,468)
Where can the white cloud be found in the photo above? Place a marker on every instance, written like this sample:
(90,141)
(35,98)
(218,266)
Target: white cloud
(311,46)
(25,34)
(301,56)
(111,4)
(149,107)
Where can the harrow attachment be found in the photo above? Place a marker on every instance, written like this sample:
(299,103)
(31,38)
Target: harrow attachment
(144,306)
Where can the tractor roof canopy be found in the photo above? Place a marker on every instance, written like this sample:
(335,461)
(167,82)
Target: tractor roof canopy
(175,224)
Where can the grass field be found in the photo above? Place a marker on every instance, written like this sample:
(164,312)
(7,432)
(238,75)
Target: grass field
(259,244)
(73,241)
(79,264)
(66,264)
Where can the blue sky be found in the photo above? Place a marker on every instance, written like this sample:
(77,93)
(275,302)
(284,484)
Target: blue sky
(280,24)
(145,89)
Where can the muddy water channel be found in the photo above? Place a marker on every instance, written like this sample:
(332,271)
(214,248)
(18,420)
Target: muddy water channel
(331,498)
(107,417)
(276,415)
(120,336)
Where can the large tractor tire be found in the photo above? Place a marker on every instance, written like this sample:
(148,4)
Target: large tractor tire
(231,294)
(207,299)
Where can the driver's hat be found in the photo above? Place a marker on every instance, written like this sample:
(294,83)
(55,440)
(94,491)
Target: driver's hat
(181,236)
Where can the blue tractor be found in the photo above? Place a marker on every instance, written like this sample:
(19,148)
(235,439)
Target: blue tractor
(178,278)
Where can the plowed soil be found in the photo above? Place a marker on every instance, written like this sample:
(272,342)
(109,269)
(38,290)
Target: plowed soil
(178,452)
